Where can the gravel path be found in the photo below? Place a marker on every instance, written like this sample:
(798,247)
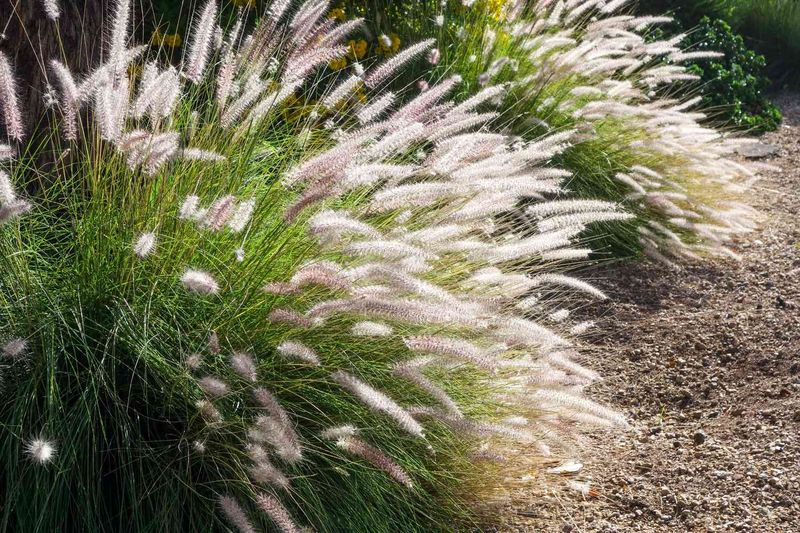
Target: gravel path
(706,365)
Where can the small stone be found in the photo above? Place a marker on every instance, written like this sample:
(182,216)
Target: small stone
(757,150)
(699,437)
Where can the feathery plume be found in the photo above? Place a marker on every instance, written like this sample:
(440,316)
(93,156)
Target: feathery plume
(376,457)
(144,244)
(407,310)
(253,88)
(8,100)
(244,365)
(276,429)
(51,9)
(287,316)
(378,401)
(374,110)
(13,210)
(277,512)
(559,207)
(235,514)
(219,213)
(280,435)
(334,224)
(450,347)
(213,343)
(242,215)
(281,288)
(15,348)
(390,67)
(195,154)
(566,254)
(339,432)
(414,375)
(210,413)
(70,99)
(520,331)
(199,282)
(7,194)
(194,361)
(40,450)
(119,31)
(203,35)
(562,360)
(342,92)
(262,470)
(214,387)
(189,207)
(371,329)
(581,327)
(558,398)
(484,95)
(581,219)
(298,351)
(225,84)
(567,281)
(324,275)
(158,95)
(111,108)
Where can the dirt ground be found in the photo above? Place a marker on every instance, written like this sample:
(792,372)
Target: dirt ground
(705,363)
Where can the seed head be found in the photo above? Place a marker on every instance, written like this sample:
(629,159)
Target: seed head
(40,450)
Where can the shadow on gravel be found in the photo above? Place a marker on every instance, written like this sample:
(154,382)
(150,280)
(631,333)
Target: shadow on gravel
(705,362)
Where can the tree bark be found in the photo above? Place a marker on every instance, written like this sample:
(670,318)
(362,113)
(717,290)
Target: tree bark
(30,40)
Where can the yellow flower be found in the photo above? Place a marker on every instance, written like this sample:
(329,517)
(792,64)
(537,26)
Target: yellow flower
(172,40)
(337,14)
(338,64)
(356,49)
(495,8)
(388,44)
(244,3)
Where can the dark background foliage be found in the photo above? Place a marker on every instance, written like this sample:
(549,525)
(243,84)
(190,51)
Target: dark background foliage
(734,88)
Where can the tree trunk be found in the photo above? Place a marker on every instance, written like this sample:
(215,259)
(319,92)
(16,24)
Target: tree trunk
(30,40)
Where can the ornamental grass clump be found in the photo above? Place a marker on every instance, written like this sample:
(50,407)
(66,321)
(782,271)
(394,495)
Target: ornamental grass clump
(245,292)
(596,68)
(639,141)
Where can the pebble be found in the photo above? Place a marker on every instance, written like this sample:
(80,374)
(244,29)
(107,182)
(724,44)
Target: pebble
(699,437)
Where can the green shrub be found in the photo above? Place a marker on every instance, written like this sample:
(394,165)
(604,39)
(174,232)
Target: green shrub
(770,27)
(732,86)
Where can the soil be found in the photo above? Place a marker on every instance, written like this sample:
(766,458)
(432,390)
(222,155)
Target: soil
(705,363)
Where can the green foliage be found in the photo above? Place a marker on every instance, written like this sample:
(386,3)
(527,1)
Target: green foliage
(732,86)
(773,28)
(688,12)
(110,334)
